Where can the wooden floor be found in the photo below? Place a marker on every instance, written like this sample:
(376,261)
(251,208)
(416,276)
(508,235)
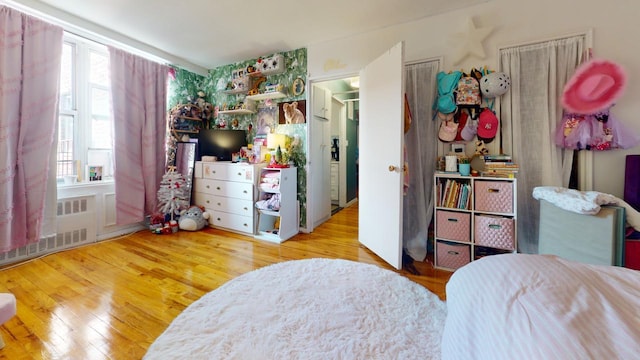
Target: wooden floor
(112,299)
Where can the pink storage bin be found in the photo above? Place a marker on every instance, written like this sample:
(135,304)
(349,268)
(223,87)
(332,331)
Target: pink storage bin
(453,225)
(451,255)
(494,196)
(495,232)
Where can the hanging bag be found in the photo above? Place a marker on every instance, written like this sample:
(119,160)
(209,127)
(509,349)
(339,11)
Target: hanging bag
(468,91)
(446,103)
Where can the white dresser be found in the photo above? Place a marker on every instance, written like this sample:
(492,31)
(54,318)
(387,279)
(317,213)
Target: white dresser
(228,192)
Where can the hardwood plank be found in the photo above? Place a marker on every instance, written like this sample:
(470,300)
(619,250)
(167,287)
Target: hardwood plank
(112,299)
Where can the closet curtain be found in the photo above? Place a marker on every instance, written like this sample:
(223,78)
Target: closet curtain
(421,155)
(30,57)
(139,93)
(529,113)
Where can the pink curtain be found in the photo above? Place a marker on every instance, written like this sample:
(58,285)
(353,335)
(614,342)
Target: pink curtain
(30,56)
(139,96)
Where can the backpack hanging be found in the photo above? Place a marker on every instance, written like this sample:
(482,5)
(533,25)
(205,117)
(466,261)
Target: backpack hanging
(468,91)
(445,102)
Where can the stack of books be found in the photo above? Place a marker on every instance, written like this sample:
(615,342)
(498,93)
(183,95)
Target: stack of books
(500,165)
(453,194)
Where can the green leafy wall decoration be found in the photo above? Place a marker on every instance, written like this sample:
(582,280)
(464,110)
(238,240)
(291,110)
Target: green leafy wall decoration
(185,87)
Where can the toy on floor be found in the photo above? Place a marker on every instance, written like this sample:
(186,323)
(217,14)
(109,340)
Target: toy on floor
(193,219)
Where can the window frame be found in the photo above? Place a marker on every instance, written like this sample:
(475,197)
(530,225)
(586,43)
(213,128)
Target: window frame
(81,101)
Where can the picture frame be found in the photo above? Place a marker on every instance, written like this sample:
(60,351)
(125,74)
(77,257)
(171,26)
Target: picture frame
(297,88)
(292,112)
(94,172)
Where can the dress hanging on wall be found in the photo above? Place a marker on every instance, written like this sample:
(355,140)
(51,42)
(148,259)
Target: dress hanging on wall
(598,131)
(588,97)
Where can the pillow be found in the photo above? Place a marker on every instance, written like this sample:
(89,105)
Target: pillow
(567,199)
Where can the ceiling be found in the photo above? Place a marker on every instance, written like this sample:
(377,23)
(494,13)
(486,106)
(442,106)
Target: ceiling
(210,33)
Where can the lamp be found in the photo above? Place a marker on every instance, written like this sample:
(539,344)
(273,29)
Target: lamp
(277,140)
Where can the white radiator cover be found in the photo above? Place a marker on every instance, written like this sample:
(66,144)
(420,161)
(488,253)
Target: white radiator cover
(86,213)
(76,225)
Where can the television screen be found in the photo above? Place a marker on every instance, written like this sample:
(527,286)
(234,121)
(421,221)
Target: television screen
(220,143)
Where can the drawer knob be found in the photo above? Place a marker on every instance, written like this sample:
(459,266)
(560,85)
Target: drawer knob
(246,208)
(219,219)
(207,186)
(219,204)
(207,201)
(217,187)
(245,225)
(245,191)
(239,174)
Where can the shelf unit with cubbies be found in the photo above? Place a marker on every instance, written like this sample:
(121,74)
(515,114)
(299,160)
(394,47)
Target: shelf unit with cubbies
(474,217)
(277,204)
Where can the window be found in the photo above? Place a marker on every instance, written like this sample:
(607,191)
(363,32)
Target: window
(85,130)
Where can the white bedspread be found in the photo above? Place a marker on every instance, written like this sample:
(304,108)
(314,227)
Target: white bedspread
(585,202)
(518,306)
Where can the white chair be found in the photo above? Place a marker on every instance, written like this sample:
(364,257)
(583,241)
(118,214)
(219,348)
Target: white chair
(7,310)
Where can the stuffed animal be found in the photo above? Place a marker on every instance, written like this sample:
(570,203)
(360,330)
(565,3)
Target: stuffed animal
(193,219)
(292,114)
(481,149)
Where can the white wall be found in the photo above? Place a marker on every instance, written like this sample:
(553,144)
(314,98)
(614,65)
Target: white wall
(614,26)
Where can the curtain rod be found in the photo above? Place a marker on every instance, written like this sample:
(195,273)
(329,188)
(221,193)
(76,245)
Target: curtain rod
(85,29)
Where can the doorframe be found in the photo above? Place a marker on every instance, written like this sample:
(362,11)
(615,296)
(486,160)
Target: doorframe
(311,81)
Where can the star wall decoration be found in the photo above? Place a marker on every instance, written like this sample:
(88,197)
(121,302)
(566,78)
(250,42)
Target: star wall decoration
(469,43)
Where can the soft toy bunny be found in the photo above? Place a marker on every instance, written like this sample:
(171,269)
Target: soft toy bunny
(193,219)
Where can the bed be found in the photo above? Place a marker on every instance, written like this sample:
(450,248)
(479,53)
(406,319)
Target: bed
(518,306)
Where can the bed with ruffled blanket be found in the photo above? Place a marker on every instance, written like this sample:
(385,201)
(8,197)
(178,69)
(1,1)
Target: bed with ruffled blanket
(518,306)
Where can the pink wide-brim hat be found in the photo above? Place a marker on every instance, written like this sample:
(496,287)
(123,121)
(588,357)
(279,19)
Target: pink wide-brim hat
(594,87)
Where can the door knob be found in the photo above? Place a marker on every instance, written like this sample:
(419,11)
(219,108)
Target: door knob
(396,168)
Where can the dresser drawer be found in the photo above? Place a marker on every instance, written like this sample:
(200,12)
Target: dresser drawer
(212,170)
(229,172)
(494,196)
(225,204)
(225,188)
(453,225)
(232,221)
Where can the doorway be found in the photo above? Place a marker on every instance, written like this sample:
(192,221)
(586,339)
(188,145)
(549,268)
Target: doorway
(334,146)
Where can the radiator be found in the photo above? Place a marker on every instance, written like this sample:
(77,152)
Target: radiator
(76,225)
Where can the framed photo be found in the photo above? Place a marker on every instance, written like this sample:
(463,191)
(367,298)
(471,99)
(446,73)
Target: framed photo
(267,120)
(294,112)
(94,172)
(297,87)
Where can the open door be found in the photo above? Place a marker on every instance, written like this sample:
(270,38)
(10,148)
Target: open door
(381,156)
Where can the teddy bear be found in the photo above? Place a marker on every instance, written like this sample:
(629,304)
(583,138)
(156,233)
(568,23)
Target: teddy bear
(481,148)
(193,219)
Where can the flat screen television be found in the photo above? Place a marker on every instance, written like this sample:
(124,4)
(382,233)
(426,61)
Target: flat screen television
(220,143)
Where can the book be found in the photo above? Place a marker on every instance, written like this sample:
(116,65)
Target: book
(499,174)
(497,157)
(452,192)
(501,164)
